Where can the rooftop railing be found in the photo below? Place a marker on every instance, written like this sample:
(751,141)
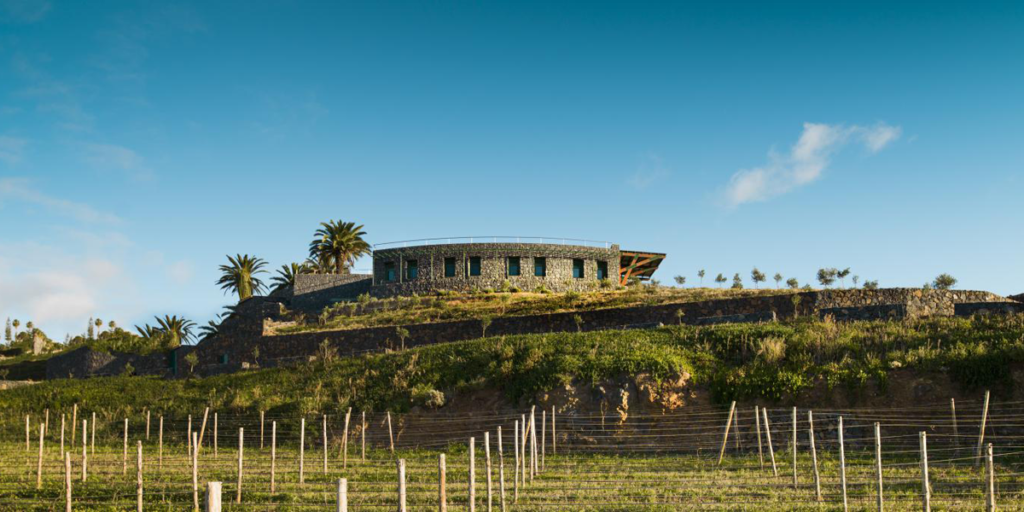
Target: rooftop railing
(493,239)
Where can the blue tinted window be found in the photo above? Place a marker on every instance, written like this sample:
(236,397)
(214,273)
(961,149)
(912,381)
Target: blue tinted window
(389,271)
(411,269)
(474,266)
(602,270)
(513,265)
(577,269)
(540,267)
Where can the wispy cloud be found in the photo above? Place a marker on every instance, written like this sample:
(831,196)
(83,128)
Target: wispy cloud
(806,160)
(651,170)
(19,189)
(117,158)
(23,11)
(11,149)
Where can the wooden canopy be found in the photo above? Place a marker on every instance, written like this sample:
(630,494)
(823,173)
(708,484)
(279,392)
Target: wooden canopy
(638,265)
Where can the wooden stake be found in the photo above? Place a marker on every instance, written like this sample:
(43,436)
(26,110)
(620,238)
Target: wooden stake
(85,451)
(534,454)
(138,476)
(342,495)
(956,433)
(261,429)
(842,465)
(515,432)
(46,420)
(442,494)
(487,461)
(215,435)
(990,471)
(213,496)
(302,451)
(391,435)
(926,488)
(74,423)
(725,435)
(401,485)
(202,429)
(195,475)
(501,472)
(878,464)
(814,456)
(794,448)
(148,413)
(124,454)
(325,444)
(757,425)
(67,479)
(160,437)
(543,433)
(344,441)
(554,450)
(362,437)
(188,435)
(92,443)
(523,436)
(241,447)
(472,474)
(768,437)
(273,455)
(28,435)
(39,467)
(981,432)
(61,433)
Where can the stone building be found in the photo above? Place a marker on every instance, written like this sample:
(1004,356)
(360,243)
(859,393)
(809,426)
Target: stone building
(426,266)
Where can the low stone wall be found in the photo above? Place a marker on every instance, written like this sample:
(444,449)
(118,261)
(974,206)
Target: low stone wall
(988,308)
(85,362)
(1018,298)
(314,291)
(879,312)
(918,302)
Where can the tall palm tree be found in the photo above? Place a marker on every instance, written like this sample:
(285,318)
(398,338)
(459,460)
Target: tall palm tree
(211,328)
(286,275)
(179,329)
(337,245)
(148,331)
(240,275)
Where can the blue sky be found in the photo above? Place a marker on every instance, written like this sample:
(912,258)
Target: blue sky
(141,142)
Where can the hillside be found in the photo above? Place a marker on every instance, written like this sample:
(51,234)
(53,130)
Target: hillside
(807,360)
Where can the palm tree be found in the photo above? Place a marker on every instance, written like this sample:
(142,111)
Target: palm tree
(337,245)
(211,328)
(700,274)
(99,326)
(286,275)
(16,323)
(179,329)
(148,331)
(240,275)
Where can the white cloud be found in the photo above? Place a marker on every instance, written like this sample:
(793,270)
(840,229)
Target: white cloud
(651,170)
(23,11)
(11,149)
(806,160)
(118,158)
(19,189)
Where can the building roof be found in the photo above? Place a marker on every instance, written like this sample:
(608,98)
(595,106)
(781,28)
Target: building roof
(638,265)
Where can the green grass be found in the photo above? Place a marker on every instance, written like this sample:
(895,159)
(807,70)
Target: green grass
(777,362)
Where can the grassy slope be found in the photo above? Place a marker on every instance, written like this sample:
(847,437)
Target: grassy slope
(766,361)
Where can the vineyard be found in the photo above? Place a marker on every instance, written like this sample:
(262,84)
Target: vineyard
(966,454)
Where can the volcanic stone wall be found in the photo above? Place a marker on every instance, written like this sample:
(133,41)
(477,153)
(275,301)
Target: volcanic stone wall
(314,291)
(494,267)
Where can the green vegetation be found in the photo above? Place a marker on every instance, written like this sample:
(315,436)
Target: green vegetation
(775,362)
(336,245)
(240,276)
(944,282)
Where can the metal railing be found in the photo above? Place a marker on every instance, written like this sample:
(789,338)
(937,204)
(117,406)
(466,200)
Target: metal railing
(493,239)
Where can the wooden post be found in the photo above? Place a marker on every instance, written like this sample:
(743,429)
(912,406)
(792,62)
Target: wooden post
(39,466)
(878,464)
(401,485)
(241,447)
(515,436)
(344,441)
(325,444)
(215,435)
(148,413)
(92,442)
(273,455)
(213,498)
(554,450)
(188,436)
(757,425)
(67,479)
(926,488)
(195,475)
(736,432)
(794,448)
(28,434)
(990,471)
(842,465)
(442,494)
(472,474)
(487,461)
(302,451)
(534,455)
(85,451)
(46,419)
(362,437)
(391,435)
(814,456)
(202,429)
(725,435)
(768,437)
(501,472)
(138,476)
(543,434)
(956,433)
(981,432)
(261,429)
(342,495)
(522,447)
(74,423)
(124,455)
(160,437)
(61,433)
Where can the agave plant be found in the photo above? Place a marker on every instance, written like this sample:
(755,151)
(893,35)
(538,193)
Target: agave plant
(240,275)
(337,245)
(178,329)
(286,275)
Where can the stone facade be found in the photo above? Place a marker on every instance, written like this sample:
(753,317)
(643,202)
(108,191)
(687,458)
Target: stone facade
(918,302)
(85,362)
(494,258)
(314,291)
(988,308)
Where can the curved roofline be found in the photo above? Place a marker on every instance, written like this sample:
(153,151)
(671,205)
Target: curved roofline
(550,240)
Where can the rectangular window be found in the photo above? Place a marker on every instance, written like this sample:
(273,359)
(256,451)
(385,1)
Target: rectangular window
(389,271)
(540,267)
(602,270)
(513,265)
(411,269)
(577,269)
(449,267)
(474,266)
